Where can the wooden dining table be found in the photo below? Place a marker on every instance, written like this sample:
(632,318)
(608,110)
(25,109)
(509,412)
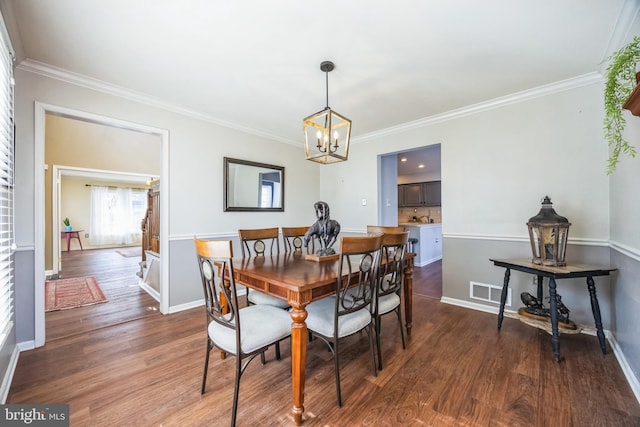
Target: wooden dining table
(299,281)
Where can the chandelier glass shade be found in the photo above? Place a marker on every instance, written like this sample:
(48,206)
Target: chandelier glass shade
(327,133)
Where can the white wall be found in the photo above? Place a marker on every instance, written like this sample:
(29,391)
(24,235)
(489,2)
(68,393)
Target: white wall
(625,241)
(195,184)
(497,165)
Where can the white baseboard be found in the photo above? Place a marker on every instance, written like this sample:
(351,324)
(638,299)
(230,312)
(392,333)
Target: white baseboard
(633,381)
(476,306)
(8,375)
(148,289)
(427,262)
(26,345)
(199,303)
(186,306)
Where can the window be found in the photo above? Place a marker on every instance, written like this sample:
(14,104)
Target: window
(116,215)
(266,194)
(7,243)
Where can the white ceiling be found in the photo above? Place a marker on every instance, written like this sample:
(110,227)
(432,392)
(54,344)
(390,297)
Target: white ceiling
(421,161)
(254,64)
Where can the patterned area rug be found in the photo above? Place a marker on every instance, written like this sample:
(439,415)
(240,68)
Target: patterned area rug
(62,294)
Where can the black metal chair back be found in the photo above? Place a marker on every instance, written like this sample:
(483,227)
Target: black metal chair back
(221,299)
(358,273)
(355,292)
(391,279)
(394,248)
(292,238)
(259,241)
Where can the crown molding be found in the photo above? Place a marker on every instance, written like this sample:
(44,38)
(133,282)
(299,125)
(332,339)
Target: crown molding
(628,14)
(621,31)
(56,73)
(46,70)
(537,92)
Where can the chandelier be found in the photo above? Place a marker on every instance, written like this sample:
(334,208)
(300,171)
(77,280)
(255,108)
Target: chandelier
(327,133)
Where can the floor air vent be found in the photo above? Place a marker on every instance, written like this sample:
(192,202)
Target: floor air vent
(489,293)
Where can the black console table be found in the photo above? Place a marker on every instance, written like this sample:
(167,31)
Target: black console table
(554,273)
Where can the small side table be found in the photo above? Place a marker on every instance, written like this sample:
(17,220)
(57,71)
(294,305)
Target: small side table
(553,273)
(73,234)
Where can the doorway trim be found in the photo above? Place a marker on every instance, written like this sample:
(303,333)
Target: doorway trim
(41,110)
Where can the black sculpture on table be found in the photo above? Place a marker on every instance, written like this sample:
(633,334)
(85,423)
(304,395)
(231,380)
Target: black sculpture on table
(533,306)
(324,229)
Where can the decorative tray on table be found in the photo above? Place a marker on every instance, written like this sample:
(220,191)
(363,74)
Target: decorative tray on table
(321,258)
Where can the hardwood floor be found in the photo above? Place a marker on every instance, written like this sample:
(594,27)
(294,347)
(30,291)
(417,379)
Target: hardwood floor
(117,278)
(457,370)
(427,280)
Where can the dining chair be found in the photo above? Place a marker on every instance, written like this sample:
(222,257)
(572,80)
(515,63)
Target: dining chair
(242,332)
(292,238)
(260,242)
(348,311)
(388,292)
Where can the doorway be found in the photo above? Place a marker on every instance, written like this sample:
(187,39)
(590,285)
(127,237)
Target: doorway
(42,228)
(417,165)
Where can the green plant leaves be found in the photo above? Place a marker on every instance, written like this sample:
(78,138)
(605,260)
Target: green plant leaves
(621,80)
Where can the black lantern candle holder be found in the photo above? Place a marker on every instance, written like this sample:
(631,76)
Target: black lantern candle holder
(548,233)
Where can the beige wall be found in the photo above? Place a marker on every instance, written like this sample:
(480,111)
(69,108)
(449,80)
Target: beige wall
(81,144)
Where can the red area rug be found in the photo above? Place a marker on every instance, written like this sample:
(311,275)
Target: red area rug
(62,294)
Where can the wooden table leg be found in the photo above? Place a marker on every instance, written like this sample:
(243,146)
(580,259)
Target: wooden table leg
(298,355)
(408,296)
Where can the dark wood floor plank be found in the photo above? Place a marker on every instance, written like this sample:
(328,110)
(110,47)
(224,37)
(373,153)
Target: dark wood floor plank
(457,370)
(117,278)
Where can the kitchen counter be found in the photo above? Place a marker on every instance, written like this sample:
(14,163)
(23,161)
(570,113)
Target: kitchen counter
(418,224)
(429,246)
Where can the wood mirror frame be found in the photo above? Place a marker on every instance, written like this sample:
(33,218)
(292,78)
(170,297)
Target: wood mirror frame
(252,186)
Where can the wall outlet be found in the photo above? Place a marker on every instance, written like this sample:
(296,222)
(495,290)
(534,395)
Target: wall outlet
(86,235)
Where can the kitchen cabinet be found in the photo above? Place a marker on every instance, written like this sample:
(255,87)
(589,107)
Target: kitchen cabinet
(432,193)
(419,194)
(429,246)
(411,195)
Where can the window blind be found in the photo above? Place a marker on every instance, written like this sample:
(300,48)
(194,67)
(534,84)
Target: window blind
(7,242)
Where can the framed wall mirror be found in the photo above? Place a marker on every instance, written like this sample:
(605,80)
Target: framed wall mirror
(252,186)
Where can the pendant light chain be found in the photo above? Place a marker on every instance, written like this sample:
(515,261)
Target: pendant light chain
(326,75)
